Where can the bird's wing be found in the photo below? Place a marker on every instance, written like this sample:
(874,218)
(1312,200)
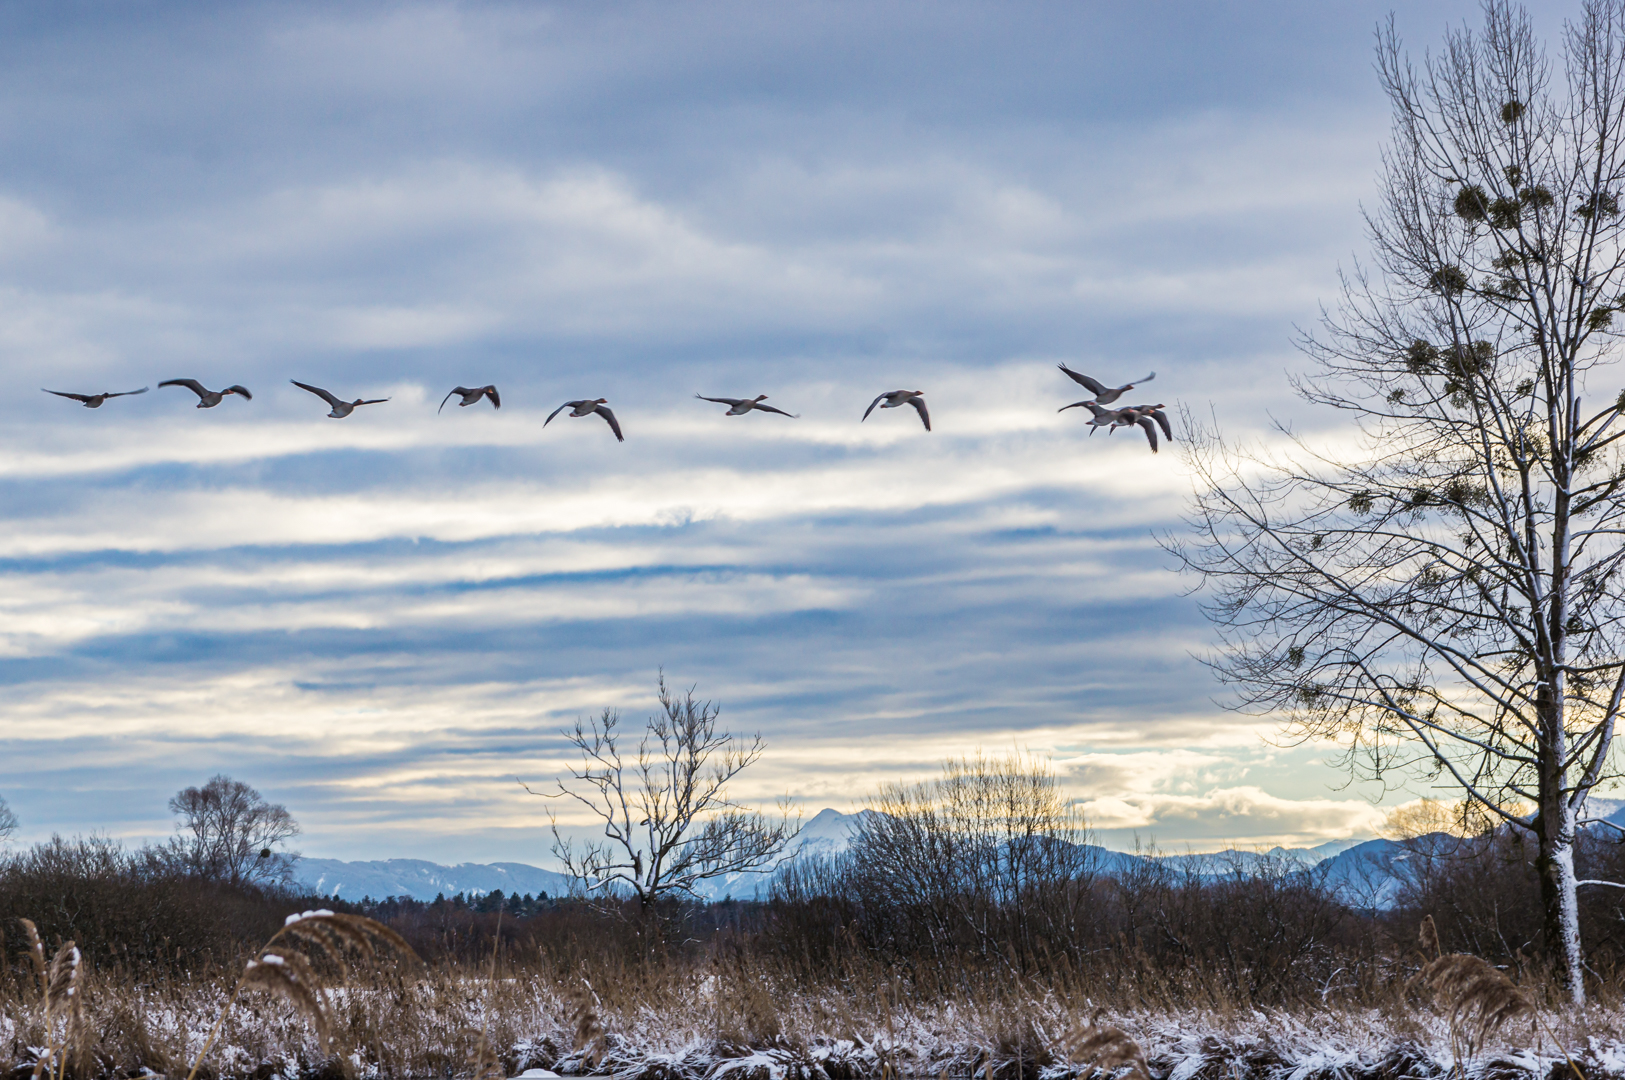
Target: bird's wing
(1162,420)
(1150,431)
(919,407)
(191,384)
(1092,385)
(1074,405)
(719,400)
(243,390)
(769,408)
(1099,411)
(64,393)
(373,401)
(319,392)
(872,405)
(496,401)
(556,411)
(454,390)
(614,425)
(129,393)
(1147,379)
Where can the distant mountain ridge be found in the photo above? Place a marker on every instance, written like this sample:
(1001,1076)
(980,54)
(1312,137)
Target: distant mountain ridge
(1367,873)
(424,880)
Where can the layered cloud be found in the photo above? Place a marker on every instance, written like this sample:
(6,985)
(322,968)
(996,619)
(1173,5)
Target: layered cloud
(383,621)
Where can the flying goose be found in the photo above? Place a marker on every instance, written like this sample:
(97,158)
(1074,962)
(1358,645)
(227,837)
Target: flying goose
(1155,412)
(1135,416)
(341,409)
(586,408)
(472,397)
(94,401)
(208,399)
(1104,395)
(741,406)
(1102,418)
(894,398)
(1146,416)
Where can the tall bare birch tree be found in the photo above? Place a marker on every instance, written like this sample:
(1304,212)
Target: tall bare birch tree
(1442,593)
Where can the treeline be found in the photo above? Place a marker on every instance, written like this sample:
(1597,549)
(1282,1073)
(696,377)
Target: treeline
(983,874)
(138,909)
(987,870)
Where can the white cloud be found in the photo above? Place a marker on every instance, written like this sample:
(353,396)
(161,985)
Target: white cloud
(378,615)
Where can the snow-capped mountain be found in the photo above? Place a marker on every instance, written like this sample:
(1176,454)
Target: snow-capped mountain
(424,880)
(1367,873)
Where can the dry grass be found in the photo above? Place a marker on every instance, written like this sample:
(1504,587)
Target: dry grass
(731,1016)
(282,968)
(1107,1048)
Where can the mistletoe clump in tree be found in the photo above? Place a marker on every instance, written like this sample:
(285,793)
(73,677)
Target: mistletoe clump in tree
(1447,597)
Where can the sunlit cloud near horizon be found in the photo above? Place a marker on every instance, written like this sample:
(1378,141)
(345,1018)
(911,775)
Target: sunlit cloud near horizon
(384,621)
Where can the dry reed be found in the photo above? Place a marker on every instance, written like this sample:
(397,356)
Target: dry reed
(291,975)
(62,998)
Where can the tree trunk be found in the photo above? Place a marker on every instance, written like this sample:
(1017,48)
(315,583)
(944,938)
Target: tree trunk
(1557,887)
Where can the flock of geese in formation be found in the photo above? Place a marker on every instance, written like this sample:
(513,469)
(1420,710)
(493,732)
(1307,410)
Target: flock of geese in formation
(1147,417)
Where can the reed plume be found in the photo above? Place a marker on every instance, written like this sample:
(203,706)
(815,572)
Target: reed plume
(1479,999)
(1428,937)
(61,985)
(288,973)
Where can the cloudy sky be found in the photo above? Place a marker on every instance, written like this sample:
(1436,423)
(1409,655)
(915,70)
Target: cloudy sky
(383,621)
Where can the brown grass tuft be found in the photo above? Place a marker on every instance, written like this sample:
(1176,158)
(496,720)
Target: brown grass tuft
(1106,1047)
(589,1027)
(483,1061)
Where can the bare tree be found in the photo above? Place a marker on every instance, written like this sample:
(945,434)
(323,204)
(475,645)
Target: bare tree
(228,832)
(668,822)
(1440,595)
(8,822)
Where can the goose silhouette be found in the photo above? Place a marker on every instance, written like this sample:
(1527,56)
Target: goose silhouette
(895,398)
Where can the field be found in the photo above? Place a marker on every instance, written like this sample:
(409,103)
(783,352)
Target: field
(722,1012)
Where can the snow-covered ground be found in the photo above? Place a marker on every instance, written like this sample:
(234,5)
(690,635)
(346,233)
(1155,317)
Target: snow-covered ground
(715,1024)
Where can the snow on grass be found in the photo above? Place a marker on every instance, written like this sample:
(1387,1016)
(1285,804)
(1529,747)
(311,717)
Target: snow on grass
(738,1026)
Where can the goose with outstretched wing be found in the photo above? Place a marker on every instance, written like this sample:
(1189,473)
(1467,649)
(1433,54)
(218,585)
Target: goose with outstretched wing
(206,398)
(896,398)
(94,401)
(1104,395)
(586,407)
(341,408)
(741,406)
(471,396)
